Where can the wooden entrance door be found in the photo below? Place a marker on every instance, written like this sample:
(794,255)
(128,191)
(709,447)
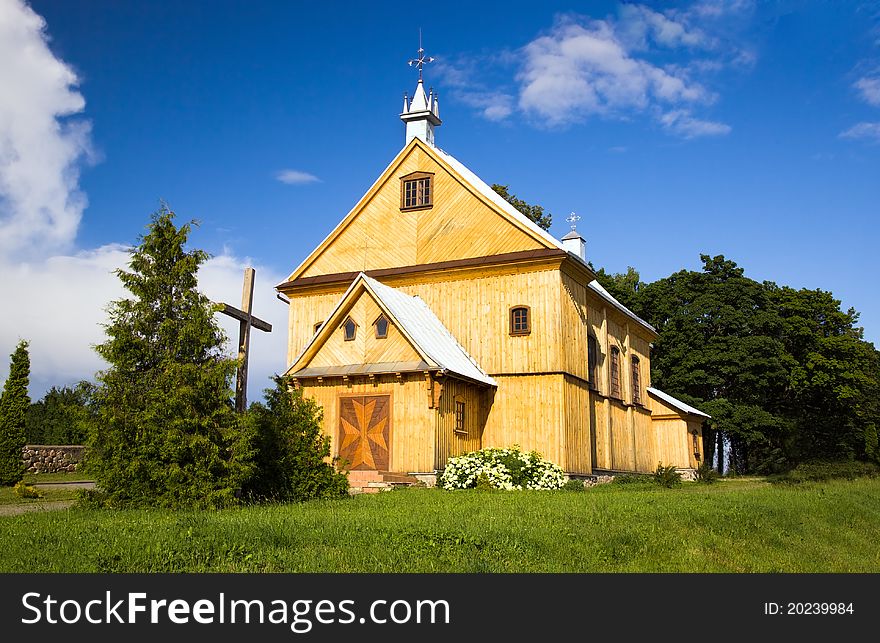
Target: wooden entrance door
(365,431)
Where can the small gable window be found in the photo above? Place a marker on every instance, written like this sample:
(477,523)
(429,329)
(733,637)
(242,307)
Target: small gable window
(317,326)
(417,191)
(592,360)
(349,328)
(381,325)
(615,372)
(520,320)
(636,381)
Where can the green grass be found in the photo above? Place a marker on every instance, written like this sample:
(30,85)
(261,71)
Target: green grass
(8,497)
(31,478)
(733,526)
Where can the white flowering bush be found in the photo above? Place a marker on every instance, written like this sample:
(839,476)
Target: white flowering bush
(509,469)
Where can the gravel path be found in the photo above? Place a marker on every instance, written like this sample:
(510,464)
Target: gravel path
(54,505)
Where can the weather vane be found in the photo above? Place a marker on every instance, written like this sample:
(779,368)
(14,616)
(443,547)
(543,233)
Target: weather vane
(421,61)
(573,219)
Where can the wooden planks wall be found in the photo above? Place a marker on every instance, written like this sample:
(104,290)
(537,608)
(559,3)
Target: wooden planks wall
(458,226)
(449,442)
(412,422)
(578,412)
(529,411)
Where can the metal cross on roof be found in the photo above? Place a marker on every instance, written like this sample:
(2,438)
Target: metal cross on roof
(573,219)
(421,60)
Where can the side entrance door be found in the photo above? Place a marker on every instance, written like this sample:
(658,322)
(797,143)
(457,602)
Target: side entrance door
(365,431)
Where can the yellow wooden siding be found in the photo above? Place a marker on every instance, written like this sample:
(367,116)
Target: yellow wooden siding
(458,226)
(578,413)
(646,453)
(304,313)
(529,411)
(366,348)
(413,423)
(449,441)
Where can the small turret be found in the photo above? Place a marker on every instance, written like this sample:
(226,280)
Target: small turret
(421,114)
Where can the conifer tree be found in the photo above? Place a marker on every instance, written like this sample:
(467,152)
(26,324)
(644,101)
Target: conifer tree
(14,403)
(166,431)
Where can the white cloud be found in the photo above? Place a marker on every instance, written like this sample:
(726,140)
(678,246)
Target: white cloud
(295,177)
(869,88)
(682,123)
(638,25)
(577,71)
(40,149)
(459,77)
(863,131)
(59,305)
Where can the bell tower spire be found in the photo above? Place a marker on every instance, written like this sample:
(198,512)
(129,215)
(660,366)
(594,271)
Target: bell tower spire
(421,113)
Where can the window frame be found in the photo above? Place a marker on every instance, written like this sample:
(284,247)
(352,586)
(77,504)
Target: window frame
(512,330)
(415,177)
(381,317)
(316,327)
(592,362)
(636,377)
(460,409)
(345,330)
(615,389)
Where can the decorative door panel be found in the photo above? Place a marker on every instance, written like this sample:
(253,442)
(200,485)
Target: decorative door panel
(365,431)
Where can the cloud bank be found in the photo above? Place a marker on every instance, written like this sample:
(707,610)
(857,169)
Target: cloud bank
(41,148)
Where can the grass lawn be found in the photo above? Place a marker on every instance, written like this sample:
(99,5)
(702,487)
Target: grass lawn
(8,497)
(733,526)
(32,478)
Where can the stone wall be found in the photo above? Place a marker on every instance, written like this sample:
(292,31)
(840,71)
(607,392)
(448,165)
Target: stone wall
(52,458)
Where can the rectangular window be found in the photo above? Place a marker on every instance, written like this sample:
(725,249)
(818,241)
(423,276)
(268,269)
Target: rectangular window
(636,381)
(615,372)
(592,360)
(520,324)
(459,418)
(417,191)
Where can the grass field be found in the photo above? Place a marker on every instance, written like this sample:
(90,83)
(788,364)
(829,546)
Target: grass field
(31,478)
(8,497)
(733,526)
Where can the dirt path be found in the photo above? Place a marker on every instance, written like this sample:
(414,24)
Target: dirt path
(53,505)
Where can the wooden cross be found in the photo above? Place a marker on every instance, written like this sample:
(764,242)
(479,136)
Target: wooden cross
(244,335)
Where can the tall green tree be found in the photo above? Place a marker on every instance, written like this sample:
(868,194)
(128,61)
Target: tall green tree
(166,433)
(62,416)
(534,212)
(14,403)
(721,347)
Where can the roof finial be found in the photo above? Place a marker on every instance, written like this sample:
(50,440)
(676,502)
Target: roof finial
(421,60)
(573,219)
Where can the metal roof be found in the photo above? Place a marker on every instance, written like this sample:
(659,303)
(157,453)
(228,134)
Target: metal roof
(681,406)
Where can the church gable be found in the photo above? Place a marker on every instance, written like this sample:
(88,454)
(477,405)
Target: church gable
(393,226)
(367,345)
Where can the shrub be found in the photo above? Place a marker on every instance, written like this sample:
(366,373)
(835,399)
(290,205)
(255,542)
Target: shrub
(707,474)
(631,478)
(508,469)
(23,490)
(573,485)
(288,449)
(667,476)
(819,471)
(14,402)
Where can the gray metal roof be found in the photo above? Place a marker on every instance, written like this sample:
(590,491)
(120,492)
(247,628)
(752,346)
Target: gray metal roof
(681,406)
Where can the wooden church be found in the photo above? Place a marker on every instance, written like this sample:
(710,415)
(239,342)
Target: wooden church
(436,319)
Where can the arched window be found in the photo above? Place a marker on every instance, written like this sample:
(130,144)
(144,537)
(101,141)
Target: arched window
(520,320)
(350,329)
(636,380)
(592,361)
(615,372)
(381,326)
(696,446)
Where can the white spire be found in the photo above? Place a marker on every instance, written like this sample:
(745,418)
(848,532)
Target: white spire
(421,114)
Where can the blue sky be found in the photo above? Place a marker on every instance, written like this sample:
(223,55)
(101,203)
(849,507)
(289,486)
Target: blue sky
(673,129)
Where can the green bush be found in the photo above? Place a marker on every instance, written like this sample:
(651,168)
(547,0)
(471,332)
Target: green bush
(573,484)
(667,476)
(631,478)
(707,474)
(819,471)
(288,449)
(14,402)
